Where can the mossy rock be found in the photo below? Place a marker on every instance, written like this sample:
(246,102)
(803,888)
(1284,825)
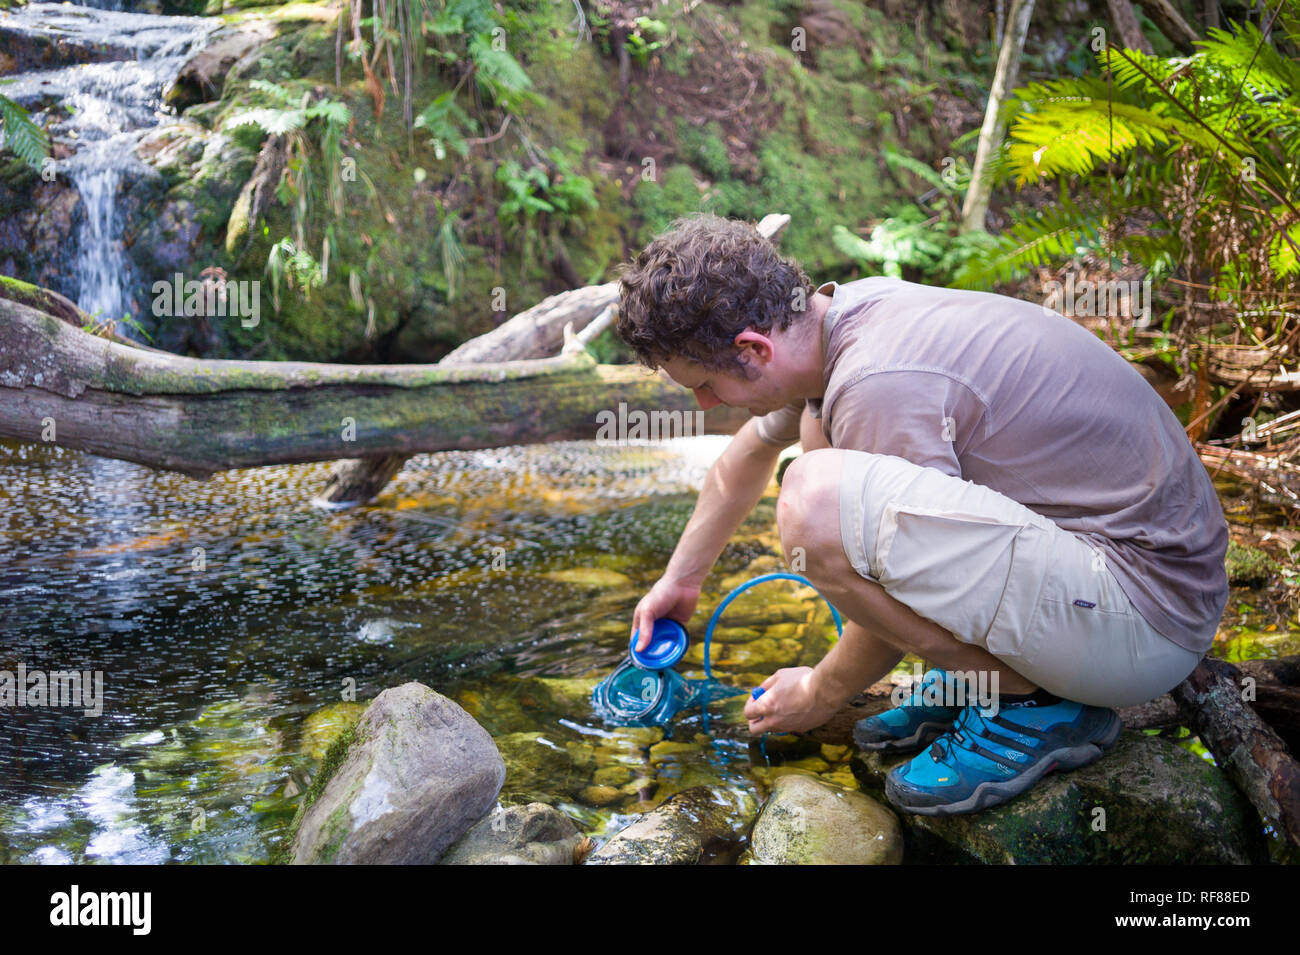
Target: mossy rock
(326,725)
(1147,801)
(809,821)
(1248,566)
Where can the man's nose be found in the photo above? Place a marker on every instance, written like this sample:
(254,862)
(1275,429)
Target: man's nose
(705,398)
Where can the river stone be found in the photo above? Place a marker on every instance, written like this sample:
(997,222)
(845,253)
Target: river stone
(416,773)
(807,821)
(534,834)
(1162,805)
(702,824)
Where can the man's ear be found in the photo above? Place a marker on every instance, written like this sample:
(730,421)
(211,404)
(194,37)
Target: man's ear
(754,347)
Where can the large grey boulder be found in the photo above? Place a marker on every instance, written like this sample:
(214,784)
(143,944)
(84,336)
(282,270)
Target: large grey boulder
(1147,801)
(701,824)
(536,834)
(808,821)
(409,779)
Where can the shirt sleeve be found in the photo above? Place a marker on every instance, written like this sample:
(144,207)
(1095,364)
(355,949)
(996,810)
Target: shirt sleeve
(780,427)
(925,417)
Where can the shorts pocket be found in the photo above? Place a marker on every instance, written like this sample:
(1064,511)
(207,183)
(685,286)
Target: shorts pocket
(954,568)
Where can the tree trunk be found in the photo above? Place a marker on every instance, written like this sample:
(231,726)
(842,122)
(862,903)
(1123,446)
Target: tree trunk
(199,417)
(1126,22)
(1171,23)
(976,206)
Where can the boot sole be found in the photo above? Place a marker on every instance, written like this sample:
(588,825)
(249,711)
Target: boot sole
(989,794)
(925,734)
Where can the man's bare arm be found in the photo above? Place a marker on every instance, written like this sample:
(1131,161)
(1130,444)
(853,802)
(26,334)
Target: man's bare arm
(731,489)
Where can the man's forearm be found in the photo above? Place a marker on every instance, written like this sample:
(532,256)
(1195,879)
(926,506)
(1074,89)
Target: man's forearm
(731,489)
(855,662)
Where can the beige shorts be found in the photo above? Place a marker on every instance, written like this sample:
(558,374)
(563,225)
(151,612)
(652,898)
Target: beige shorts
(997,575)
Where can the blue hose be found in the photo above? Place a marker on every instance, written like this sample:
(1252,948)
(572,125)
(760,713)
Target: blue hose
(615,705)
(713,622)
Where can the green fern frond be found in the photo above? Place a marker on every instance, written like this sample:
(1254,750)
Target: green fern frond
(270,120)
(22,136)
(1055,234)
(1248,55)
(276,91)
(897,160)
(1282,256)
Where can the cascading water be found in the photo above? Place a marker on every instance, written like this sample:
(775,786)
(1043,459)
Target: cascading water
(101,110)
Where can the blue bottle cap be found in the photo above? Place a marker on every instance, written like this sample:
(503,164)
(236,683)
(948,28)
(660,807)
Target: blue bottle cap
(756,692)
(667,645)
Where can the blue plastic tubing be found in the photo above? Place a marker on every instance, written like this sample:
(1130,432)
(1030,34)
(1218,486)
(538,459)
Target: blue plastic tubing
(782,575)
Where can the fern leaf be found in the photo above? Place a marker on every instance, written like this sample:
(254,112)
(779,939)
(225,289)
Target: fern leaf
(22,136)
(1054,235)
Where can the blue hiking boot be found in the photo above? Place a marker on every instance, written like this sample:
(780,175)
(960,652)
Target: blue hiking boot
(915,722)
(988,759)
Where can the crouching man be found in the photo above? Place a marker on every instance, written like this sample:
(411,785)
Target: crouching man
(984,484)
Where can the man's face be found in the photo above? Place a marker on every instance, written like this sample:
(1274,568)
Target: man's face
(758,396)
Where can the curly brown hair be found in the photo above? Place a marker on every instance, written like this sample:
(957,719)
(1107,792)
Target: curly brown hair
(700,284)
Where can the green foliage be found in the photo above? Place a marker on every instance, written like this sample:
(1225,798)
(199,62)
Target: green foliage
(297,119)
(647,36)
(444,121)
(294,266)
(918,239)
(22,136)
(1186,164)
(1054,234)
(533,195)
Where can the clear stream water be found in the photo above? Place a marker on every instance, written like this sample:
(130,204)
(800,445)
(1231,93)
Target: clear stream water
(230,619)
(238,629)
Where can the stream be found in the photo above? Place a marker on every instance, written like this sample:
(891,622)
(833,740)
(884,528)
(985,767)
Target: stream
(234,625)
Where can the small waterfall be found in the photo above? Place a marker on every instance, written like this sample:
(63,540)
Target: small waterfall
(102,109)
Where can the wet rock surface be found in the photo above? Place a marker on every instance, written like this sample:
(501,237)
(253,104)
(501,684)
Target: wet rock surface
(807,821)
(413,775)
(535,834)
(1147,801)
(698,825)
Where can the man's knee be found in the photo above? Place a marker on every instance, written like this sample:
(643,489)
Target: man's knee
(808,510)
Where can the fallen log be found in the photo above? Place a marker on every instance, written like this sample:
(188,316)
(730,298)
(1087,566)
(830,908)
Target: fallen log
(1247,749)
(66,387)
(534,333)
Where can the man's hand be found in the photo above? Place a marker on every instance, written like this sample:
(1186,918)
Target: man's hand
(667,598)
(789,704)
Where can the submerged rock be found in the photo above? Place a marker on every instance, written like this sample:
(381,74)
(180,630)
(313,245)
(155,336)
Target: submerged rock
(542,769)
(535,834)
(807,821)
(322,728)
(402,785)
(1147,801)
(590,578)
(702,824)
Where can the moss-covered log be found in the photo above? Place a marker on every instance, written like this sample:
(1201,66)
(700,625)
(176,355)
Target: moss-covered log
(66,387)
(535,333)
